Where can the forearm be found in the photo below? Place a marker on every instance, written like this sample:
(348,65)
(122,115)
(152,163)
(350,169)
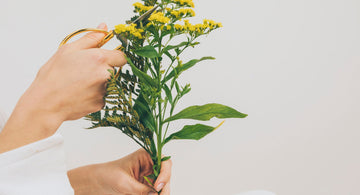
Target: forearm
(30,121)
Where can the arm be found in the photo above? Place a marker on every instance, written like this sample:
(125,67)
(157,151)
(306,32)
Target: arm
(69,86)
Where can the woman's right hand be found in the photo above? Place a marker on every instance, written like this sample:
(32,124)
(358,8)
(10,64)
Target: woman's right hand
(69,86)
(73,82)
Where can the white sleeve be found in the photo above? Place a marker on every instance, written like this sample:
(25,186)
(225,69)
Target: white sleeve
(35,169)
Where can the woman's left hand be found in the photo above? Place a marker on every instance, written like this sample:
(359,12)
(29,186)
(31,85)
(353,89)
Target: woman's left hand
(123,176)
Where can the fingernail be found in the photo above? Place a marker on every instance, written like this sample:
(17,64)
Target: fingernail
(102,25)
(160,186)
(152,193)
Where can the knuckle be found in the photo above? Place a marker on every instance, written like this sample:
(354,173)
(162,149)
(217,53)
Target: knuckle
(141,151)
(99,57)
(94,37)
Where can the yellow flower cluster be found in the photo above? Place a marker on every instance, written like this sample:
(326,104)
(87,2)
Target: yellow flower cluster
(139,7)
(159,17)
(182,12)
(131,29)
(189,3)
(179,27)
(205,27)
(190,27)
(212,24)
(167,27)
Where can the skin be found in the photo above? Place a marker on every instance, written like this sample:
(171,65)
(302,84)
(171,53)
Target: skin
(121,177)
(69,86)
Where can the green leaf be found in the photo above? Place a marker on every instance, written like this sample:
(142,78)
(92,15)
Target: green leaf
(194,132)
(177,87)
(144,112)
(170,47)
(143,76)
(95,116)
(155,169)
(152,176)
(154,31)
(168,93)
(147,179)
(147,52)
(179,69)
(206,112)
(165,158)
(185,90)
(195,43)
(167,53)
(167,32)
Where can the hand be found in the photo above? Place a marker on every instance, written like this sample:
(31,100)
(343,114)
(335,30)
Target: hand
(73,81)
(121,177)
(69,86)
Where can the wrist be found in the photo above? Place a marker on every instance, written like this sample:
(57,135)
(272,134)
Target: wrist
(82,180)
(30,121)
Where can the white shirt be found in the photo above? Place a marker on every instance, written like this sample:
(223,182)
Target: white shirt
(35,169)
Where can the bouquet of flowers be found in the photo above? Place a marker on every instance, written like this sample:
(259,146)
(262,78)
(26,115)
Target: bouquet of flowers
(141,99)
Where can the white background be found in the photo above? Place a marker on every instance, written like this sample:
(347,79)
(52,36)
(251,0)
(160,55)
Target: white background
(293,66)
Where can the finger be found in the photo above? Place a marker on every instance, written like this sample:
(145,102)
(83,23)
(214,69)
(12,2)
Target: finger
(136,187)
(166,190)
(91,40)
(165,174)
(114,58)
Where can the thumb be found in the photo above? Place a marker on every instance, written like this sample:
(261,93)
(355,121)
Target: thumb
(92,39)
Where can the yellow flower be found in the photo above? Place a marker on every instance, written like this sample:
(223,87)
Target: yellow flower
(120,28)
(190,12)
(139,7)
(179,27)
(188,26)
(167,27)
(159,17)
(198,29)
(138,4)
(211,24)
(137,35)
(175,13)
(131,29)
(182,13)
(189,3)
